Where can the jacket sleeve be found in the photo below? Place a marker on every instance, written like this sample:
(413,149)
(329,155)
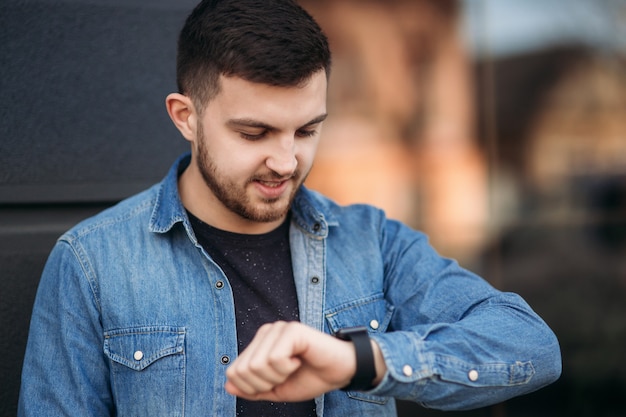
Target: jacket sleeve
(65,372)
(455,342)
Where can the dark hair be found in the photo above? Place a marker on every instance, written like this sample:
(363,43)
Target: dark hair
(273,42)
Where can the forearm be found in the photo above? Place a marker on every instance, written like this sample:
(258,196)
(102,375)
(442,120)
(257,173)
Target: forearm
(64,372)
(499,351)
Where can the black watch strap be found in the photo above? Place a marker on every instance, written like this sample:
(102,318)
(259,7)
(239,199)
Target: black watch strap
(365,366)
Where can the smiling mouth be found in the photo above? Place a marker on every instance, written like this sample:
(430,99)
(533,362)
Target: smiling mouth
(274,180)
(272,184)
(274,187)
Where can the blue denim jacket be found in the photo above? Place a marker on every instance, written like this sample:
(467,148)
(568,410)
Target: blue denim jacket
(133,318)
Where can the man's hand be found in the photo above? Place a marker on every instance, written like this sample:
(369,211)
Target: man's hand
(293,362)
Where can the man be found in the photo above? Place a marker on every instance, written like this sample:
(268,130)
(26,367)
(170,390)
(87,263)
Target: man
(230,289)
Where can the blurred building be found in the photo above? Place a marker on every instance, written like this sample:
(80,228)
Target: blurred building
(401,134)
(498,128)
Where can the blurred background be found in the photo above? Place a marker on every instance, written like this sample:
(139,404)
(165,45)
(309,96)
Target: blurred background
(496,126)
(499,128)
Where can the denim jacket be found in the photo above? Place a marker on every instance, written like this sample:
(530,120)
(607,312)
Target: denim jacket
(133,318)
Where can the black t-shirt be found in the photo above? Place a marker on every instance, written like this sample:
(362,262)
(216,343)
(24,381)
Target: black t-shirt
(258,268)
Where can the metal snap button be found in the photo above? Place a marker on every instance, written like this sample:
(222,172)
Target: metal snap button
(374,324)
(225,360)
(473,375)
(219,285)
(407,370)
(138,355)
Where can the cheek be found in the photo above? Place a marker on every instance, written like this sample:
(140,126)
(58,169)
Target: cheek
(306,153)
(230,160)
(239,163)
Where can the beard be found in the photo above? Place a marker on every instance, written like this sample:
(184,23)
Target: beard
(234,196)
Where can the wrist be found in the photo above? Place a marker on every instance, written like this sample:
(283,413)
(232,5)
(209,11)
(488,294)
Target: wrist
(379,361)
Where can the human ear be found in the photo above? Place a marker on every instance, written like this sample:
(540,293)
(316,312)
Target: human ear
(183,114)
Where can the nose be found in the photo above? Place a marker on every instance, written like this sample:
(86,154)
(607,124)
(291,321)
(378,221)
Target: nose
(282,159)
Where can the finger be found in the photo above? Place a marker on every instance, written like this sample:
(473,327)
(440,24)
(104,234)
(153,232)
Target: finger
(253,378)
(278,351)
(262,366)
(265,396)
(249,384)
(234,390)
(256,358)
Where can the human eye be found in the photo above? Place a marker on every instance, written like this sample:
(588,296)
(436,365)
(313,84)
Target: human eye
(306,133)
(252,136)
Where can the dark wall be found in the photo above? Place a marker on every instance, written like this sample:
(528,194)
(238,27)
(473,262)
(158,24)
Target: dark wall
(82,90)
(82,125)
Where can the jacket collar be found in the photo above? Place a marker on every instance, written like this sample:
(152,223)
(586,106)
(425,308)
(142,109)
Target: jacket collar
(168,208)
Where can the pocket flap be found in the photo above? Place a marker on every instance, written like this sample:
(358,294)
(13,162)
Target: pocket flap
(372,312)
(138,347)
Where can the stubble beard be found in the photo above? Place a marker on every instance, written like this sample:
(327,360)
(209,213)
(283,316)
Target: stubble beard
(234,198)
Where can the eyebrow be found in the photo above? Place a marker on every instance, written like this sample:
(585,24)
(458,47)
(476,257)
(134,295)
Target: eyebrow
(234,123)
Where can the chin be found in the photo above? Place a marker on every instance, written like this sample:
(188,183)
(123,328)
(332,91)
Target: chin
(266,214)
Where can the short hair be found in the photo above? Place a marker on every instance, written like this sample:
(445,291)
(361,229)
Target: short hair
(274,42)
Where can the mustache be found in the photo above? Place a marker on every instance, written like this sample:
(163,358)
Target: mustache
(274,176)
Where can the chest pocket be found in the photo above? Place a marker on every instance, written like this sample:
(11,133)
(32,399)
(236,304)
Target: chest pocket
(147,370)
(372,312)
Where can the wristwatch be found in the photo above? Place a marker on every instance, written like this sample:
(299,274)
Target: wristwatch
(365,367)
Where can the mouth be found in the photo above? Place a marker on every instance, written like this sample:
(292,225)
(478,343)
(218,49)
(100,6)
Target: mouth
(272,189)
(271,184)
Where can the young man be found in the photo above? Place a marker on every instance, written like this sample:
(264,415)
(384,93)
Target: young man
(230,289)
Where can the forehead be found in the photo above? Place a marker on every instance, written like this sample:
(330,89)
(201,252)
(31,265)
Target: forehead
(274,105)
